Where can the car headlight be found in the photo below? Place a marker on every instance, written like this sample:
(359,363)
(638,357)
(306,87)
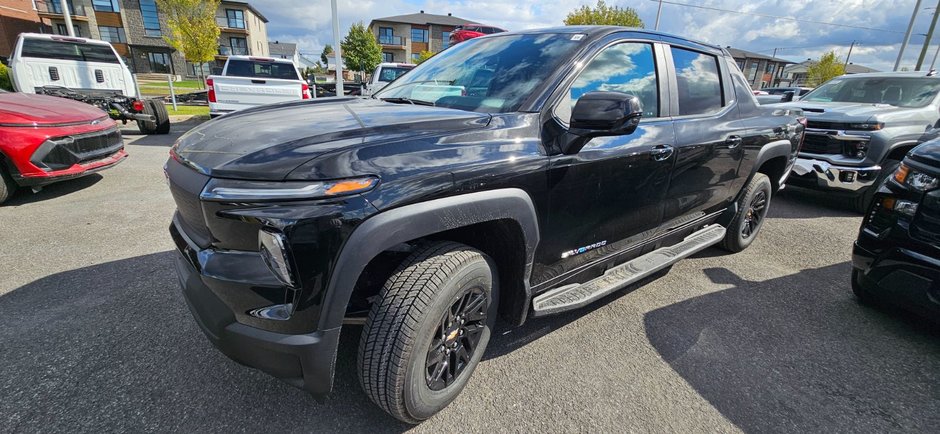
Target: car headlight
(905,175)
(227,190)
(866,126)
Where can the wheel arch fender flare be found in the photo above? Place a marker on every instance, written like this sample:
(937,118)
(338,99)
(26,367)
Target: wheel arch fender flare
(403,224)
(778,148)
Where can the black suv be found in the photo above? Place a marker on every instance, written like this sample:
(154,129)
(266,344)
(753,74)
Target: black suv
(897,257)
(519,174)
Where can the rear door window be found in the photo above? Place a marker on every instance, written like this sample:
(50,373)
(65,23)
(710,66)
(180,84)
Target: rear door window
(67,50)
(699,84)
(261,69)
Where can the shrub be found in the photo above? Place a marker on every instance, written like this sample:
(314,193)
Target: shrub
(5,82)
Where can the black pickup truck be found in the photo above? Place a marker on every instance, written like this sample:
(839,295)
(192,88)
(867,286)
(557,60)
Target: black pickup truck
(519,174)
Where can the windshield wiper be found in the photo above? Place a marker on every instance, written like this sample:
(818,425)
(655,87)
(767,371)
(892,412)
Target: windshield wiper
(403,100)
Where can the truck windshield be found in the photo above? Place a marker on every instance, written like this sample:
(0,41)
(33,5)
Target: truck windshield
(68,50)
(261,69)
(493,74)
(896,91)
(388,74)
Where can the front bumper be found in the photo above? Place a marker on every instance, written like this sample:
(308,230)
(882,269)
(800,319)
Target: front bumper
(822,175)
(899,275)
(40,179)
(305,361)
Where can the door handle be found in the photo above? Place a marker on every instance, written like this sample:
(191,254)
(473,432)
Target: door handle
(258,81)
(661,152)
(734,142)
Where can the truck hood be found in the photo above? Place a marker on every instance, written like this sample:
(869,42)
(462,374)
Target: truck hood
(30,110)
(928,153)
(841,111)
(268,142)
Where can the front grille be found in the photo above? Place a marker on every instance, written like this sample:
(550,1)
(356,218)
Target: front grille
(63,152)
(821,144)
(185,186)
(927,224)
(827,125)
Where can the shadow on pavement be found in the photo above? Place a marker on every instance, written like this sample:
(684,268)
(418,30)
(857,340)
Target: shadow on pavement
(114,347)
(802,204)
(133,136)
(799,354)
(24,196)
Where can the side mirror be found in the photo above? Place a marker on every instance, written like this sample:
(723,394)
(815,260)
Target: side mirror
(602,114)
(788,96)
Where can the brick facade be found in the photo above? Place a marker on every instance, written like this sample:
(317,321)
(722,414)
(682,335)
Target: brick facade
(16,16)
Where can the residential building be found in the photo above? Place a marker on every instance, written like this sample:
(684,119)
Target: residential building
(760,70)
(16,16)
(795,75)
(284,50)
(136,29)
(404,37)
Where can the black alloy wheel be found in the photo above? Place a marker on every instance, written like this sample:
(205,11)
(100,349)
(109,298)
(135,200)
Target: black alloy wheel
(456,339)
(754,215)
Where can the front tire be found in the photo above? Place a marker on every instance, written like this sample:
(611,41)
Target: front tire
(428,330)
(752,211)
(7,186)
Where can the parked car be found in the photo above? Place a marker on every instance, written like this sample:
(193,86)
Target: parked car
(44,139)
(524,174)
(249,81)
(897,254)
(86,70)
(470,31)
(860,127)
(384,74)
(773,95)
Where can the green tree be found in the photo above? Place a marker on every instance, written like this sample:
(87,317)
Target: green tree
(424,55)
(360,49)
(601,14)
(5,82)
(827,67)
(191,28)
(325,55)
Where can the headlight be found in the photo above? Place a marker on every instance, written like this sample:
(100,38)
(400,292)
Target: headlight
(866,126)
(905,175)
(227,190)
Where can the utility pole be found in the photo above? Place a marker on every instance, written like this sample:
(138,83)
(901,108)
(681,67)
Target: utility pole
(660,12)
(933,24)
(934,61)
(338,51)
(907,36)
(846,65)
(67,15)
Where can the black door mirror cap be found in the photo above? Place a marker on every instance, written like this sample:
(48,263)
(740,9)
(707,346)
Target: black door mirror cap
(599,114)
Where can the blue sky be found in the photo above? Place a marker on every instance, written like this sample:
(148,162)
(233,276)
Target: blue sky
(308,23)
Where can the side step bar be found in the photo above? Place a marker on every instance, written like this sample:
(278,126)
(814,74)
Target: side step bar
(577,295)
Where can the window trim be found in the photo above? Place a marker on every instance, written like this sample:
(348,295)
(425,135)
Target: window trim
(728,101)
(564,88)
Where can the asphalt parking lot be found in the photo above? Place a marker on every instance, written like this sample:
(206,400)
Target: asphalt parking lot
(96,336)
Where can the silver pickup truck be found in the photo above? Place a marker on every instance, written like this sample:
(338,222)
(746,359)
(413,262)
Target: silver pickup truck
(860,127)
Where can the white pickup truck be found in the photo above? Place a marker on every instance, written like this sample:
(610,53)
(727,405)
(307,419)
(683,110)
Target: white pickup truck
(384,74)
(248,81)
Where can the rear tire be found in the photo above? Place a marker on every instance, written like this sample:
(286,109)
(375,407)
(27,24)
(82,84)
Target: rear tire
(428,330)
(161,123)
(7,186)
(863,202)
(752,211)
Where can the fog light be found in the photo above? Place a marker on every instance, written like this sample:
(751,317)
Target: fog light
(273,247)
(848,176)
(906,207)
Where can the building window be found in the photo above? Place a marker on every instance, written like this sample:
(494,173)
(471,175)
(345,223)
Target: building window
(388,57)
(113,34)
(64,31)
(159,62)
(148,11)
(106,5)
(419,35)
(445,38)
(415,57)
(386,36)
(236,18)
(239,46)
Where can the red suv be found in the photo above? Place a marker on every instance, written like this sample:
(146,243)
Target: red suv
(45,139)
(470,31)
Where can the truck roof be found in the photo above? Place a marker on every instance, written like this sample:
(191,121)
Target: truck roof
(396,64)
(260,58)
(51,37)
(600,31)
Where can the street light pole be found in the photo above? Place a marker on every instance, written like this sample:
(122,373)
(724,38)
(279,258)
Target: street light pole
(933,24)
(338,51)
(658,13)
(846,65)
(67,15)
(907,36)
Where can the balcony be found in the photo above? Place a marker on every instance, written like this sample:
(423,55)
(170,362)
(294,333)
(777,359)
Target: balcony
(231,25)
(232,51)
(391,41)
(53,9)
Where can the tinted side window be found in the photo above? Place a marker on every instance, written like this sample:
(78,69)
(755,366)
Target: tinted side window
(698,81)
(628,67)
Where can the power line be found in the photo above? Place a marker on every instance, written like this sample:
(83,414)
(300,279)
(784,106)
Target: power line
(778,17)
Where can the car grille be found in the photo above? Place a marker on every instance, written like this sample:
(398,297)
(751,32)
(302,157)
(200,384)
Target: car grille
(185,186)
(827,125)
(926,226)
(821,144)
(64,152)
